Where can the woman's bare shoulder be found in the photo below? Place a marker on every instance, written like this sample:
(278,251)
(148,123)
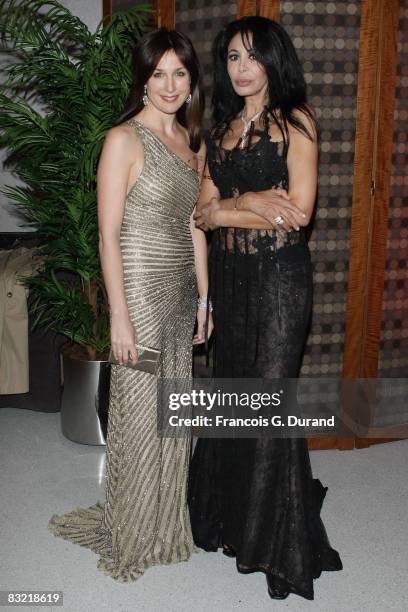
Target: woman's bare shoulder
(308,119)
(122,134)
(123,144)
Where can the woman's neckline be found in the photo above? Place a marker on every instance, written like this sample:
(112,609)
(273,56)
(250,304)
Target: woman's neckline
(262,131)
(264,136)
(170,151)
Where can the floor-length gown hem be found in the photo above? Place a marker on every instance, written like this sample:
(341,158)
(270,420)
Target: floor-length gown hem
(326,558)
(84,526)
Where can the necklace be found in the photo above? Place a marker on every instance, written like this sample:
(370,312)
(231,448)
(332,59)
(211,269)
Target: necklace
(247,124)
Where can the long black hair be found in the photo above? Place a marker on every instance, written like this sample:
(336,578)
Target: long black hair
(274,50)
(146,56)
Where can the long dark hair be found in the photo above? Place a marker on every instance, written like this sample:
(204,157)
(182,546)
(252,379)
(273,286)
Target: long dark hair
(286,84)
(146,56)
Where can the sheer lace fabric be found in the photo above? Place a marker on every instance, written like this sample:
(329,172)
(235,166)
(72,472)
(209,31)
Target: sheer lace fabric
(258,496)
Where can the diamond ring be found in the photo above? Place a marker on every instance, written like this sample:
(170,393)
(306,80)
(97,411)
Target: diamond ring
(279,220)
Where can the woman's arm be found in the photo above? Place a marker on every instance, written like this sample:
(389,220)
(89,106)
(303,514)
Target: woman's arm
(201,267)
(213,212)
(303,168)
(120,164)
(302,164)
(246,211)
(201,262)
(200,258)
(259,210)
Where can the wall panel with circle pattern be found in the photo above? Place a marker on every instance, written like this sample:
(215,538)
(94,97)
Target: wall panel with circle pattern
(202,21)
(394,325)
(326,36)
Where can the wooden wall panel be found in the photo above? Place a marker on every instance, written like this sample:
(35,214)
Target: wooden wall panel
(373,156)
(375,107)
(247,7)
(270,9)
(107,10)
(265,8)
(165,11)
(159,6)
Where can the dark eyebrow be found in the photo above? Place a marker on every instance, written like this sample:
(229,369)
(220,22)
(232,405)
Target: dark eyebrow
(251,50)
(175,70)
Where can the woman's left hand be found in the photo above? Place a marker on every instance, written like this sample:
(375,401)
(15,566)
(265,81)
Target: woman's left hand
(271,204)
(205,217)
(199,337)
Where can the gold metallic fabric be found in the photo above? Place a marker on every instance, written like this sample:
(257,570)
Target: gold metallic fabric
(144,520)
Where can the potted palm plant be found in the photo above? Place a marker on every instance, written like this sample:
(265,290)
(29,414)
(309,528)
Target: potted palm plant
(63,88)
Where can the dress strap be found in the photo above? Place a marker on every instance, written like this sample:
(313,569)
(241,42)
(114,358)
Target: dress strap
(138,127)
(151,150)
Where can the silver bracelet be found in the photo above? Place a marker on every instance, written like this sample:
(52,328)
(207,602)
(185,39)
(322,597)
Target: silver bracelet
(202,303)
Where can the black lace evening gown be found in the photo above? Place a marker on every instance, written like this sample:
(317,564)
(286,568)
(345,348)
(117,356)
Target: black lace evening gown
(258,496)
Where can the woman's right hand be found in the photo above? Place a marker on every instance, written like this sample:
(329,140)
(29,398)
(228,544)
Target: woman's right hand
(123,339)
(205,217)
(271,204)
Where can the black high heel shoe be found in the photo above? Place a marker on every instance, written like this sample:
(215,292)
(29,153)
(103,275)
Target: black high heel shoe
(227,551)
(276,587)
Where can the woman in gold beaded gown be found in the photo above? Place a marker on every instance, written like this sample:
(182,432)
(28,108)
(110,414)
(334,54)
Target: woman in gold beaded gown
(154,260)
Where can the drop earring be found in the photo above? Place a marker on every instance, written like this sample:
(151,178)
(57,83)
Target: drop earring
(145,96)
(188,99)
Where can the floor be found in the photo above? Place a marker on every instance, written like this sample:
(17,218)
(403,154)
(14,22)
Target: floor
(365,513)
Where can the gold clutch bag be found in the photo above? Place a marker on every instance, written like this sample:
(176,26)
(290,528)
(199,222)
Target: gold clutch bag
(147,360)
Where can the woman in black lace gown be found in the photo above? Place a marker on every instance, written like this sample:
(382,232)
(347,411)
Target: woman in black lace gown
(257,498)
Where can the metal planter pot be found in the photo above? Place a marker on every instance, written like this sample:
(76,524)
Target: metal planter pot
(85,400)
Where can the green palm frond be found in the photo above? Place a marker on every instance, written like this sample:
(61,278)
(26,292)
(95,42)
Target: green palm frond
(62,88)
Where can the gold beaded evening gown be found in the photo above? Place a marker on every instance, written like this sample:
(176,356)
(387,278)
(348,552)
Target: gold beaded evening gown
(144,520)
